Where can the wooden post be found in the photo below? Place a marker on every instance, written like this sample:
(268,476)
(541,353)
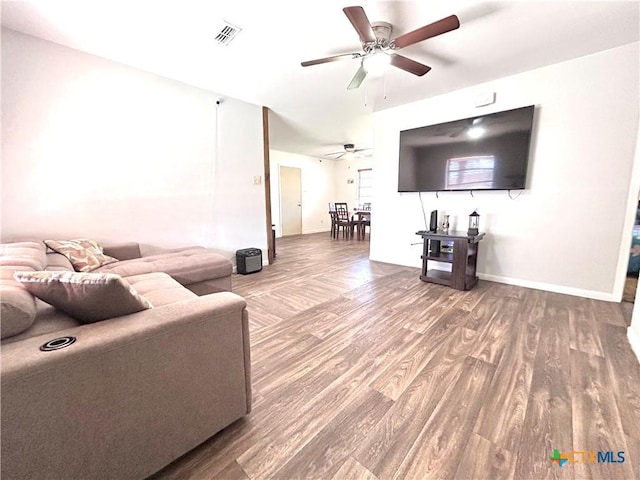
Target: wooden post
(267,183)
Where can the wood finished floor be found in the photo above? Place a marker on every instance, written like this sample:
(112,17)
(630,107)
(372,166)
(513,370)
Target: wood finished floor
(362,371)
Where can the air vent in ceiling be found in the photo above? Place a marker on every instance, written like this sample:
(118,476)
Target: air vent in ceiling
(227,33)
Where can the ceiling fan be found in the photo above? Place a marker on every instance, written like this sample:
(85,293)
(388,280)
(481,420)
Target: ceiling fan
(379,48)
(350,151)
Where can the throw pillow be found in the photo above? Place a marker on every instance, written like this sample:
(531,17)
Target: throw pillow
(17,309)
(88,297)
(85,255)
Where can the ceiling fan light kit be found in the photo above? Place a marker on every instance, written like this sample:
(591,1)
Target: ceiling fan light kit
(376,63)
(379,49)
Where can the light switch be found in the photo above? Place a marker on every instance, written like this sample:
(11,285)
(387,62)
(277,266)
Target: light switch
(257,180)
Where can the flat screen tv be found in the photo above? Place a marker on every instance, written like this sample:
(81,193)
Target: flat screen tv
(485,152)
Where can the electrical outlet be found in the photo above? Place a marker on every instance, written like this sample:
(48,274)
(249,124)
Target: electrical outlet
(257,180)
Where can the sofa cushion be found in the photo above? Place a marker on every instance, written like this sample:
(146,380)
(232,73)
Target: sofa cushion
(25,255)
(159,288)
(187,266)
(57,261)
(17,309)
(48,320)
(17,306)
(123,251)
(88,297)
(85,255)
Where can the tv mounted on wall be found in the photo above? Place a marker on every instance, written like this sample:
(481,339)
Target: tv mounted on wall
(485,152)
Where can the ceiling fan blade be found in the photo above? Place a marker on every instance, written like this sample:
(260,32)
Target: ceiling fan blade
(357,79)
(335,58)
(432,30)
(361,23)
(408,65)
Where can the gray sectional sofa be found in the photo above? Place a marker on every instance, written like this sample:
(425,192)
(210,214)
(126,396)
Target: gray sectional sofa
(131,393)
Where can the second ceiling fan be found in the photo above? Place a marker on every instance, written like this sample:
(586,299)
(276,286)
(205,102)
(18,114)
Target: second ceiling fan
(350,151)
(378,47)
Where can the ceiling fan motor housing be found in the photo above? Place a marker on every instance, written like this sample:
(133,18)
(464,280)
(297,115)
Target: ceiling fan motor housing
(382,31)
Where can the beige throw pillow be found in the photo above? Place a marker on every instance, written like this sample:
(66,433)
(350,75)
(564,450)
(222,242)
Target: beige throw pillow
(85,255)
(17,309)
(88,297)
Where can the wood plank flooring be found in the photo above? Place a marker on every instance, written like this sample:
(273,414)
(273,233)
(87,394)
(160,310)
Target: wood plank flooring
(362,371)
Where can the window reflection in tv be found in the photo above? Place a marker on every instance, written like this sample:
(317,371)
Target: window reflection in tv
(486,152)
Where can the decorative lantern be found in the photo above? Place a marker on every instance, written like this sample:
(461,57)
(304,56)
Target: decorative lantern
(474,223)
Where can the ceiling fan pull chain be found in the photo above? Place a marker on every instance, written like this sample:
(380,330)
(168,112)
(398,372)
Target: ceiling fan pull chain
(384,86)
(366,90)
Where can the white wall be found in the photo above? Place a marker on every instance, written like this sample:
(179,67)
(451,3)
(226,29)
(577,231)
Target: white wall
(633,332)
(565,232)
(97,149)
(348,170)
(318,189)
(239,214)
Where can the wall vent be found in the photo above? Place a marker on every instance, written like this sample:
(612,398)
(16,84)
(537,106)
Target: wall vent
(227,33)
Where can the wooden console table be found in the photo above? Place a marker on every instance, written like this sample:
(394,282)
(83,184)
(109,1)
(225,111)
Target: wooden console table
(463,258)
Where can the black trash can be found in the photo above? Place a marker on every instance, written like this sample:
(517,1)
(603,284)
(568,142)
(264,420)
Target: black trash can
(249,260)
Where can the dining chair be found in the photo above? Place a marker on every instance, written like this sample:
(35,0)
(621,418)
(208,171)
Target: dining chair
(334,219)
(364,221)
(344,220)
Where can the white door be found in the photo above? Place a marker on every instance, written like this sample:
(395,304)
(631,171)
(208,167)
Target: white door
(291,200)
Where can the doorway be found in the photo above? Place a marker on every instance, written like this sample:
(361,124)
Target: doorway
(291,200)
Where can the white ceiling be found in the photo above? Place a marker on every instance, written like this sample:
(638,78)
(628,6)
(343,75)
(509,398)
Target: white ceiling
(314,114)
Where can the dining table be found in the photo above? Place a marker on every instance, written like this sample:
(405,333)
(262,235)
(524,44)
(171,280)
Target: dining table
(358,218)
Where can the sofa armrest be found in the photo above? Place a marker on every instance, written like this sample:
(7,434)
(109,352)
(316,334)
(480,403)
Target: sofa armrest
(123,251)
(155,383)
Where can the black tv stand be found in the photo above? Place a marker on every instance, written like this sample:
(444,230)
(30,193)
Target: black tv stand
(463,259)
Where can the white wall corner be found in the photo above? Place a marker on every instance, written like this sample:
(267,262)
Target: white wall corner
(630,216)
(634,340)
(633,332)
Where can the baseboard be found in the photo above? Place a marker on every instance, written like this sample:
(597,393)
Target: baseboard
(634,340)
(307,232)
(549,287)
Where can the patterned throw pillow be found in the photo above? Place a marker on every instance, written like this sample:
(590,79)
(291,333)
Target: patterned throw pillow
(85,255)
(88,297)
